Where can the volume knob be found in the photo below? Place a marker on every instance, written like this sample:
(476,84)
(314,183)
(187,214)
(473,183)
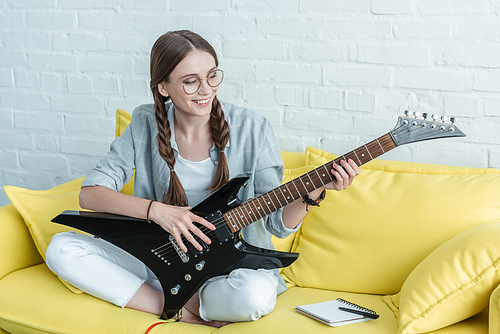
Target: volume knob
(199,266)
(175,289)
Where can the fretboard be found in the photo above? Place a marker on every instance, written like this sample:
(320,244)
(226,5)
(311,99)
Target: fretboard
(263,205)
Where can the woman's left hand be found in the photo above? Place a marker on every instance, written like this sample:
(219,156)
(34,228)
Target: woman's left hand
(344,175)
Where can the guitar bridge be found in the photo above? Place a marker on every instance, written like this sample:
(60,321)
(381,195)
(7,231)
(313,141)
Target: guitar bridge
(184,257)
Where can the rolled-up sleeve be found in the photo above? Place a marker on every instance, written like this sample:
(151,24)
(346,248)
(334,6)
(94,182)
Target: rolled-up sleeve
(268,176)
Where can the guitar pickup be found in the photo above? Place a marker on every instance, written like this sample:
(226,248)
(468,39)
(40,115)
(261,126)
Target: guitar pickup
(222,230)
(195,251)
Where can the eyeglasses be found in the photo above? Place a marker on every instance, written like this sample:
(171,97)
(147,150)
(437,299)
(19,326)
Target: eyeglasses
(192,85)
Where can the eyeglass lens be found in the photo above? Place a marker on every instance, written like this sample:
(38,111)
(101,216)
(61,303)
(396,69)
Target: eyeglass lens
(214,79)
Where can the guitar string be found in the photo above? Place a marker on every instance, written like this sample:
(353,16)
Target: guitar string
(161,251)
(422,133)
(311,175)
(168,249)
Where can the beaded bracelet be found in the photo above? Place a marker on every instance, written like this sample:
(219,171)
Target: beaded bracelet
(311,202)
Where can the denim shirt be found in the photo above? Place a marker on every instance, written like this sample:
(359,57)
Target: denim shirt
(251,151)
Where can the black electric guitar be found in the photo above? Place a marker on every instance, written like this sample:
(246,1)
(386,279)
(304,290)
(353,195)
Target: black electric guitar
(181,274)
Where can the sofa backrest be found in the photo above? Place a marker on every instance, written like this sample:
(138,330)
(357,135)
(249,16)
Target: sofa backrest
(369,237)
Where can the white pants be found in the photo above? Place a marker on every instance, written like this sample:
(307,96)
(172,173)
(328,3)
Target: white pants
(105,271)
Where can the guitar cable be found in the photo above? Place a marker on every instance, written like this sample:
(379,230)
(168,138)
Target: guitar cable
(179,317)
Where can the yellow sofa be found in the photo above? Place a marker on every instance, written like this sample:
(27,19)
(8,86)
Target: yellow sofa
(417,243)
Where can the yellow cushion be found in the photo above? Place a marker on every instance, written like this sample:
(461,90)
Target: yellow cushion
(293,160)
(371,236)
(123,119)
(453,283)
(39,207)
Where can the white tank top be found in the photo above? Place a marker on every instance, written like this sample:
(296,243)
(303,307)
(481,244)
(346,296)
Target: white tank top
(195,177)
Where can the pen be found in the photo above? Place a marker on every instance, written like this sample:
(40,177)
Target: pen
(363,313)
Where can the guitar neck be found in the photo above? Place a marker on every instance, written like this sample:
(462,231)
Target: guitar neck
(293,190)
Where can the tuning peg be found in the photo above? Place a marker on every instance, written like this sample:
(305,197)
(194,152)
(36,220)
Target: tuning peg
(408,113)
(435,117)
(444,118)
(453,120)
(424,115)
(416,114)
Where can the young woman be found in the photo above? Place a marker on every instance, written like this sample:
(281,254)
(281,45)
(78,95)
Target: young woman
(182,148)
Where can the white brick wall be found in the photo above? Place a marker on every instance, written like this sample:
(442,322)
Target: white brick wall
(332,74)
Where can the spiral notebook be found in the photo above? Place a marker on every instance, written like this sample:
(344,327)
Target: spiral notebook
(330,314)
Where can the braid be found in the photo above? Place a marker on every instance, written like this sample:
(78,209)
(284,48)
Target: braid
(167,52)
(175,194)
(220,136)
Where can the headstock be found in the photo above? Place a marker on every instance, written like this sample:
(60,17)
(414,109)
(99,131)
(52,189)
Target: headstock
(412,128)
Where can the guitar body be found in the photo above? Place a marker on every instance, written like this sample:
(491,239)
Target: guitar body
(182,274)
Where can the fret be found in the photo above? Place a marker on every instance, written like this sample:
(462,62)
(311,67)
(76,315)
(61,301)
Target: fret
(319,177)
(359,161)
(282,201)
(311,182)
(265,208)
(250,211)
(258,208)
(242,216)
(324,178)
(352,156)
(297,189)
(380,146)
(327,174)
(229,217)
(376,148)
(367,150)
(290,193)
(285,194)
(270,201)
(317,181)
(268,207)
(363,155)
(303,185)
(237,219)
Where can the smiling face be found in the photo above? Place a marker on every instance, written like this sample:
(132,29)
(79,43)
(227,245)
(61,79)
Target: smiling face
(196,65)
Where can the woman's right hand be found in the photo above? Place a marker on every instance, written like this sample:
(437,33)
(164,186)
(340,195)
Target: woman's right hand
(175,220)
(178,221)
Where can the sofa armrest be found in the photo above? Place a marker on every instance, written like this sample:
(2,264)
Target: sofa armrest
(17,249)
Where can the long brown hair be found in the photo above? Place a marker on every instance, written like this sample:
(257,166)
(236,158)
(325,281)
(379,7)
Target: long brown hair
(167,52)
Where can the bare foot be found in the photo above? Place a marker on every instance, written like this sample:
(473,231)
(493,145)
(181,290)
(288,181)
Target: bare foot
(191,318)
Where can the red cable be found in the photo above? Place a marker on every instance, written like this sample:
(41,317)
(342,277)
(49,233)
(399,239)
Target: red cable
(154,325)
